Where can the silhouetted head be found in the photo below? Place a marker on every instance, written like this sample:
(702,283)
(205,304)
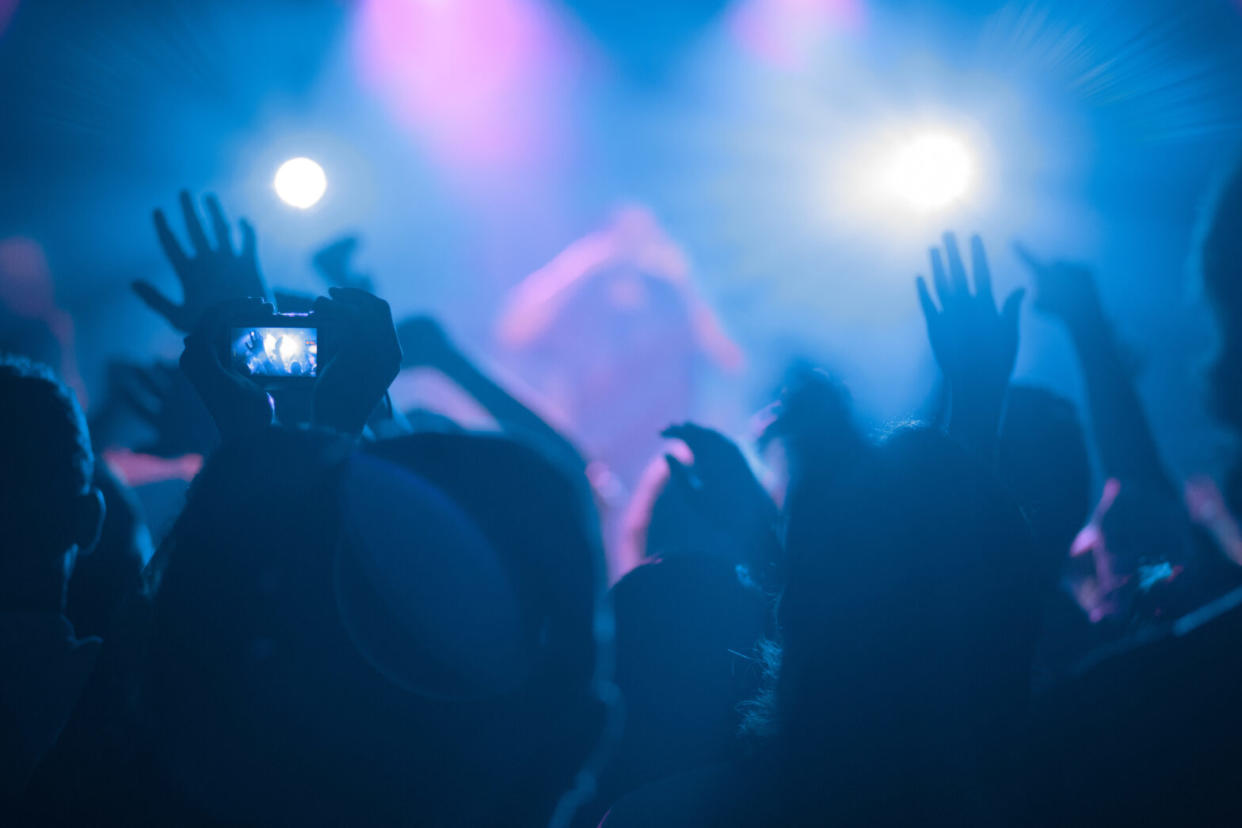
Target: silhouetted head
(909,620)
(330,630)
(1043,459)
(112,573)
(687,629)
(543,527)
(687,633)
(541,524)
(49,507)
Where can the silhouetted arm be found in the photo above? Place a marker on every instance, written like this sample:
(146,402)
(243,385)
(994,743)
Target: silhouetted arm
(424,343)
(1119,425)
(540,298)
(974,342)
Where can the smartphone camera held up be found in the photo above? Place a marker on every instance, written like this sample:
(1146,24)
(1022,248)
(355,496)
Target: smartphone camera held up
(276,348)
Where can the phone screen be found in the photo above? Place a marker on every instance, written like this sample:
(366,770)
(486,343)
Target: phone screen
(275,352)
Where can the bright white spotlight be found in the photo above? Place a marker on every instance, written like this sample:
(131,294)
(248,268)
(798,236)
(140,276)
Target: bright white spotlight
(300,182)
(932,171)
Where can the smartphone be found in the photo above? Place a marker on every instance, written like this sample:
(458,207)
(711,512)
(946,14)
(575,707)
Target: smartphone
(270,353)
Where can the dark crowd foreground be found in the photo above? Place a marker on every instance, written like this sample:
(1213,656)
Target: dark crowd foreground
(363,616)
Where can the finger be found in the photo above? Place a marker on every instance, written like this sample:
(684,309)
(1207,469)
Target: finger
(957,268)
(247,242)
(983,273)
(146,379)
(219,226)
(193,225)
(168,242)
(930,311)
(1013,306)
(141,407)
(157,301)
(200,361)
(940,278)
(132,389)
(190,362)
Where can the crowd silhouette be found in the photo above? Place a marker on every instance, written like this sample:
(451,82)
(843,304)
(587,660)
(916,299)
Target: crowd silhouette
(360,615)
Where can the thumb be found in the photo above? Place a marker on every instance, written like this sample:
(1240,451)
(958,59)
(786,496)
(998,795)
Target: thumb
(199,361)
(157,301)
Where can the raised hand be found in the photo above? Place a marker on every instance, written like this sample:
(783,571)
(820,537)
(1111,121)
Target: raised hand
(720,481)
(238,405)
(333,262)
(729,504)
(209,274)
(166,401)
(1123,437)
(1064,290)
(975,343)
(424,343)
(365,361)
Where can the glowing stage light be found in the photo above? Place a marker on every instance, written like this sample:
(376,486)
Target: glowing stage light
(290,349)
(932,171)
(300,182)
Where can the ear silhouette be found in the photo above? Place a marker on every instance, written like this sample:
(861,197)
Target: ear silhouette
(88,519)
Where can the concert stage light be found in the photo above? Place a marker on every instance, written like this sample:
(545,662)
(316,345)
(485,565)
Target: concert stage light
(932,171)
(300,182)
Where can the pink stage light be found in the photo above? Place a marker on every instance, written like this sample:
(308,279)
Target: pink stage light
(7,8)
(476,80)
(26,286)
(787,33)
